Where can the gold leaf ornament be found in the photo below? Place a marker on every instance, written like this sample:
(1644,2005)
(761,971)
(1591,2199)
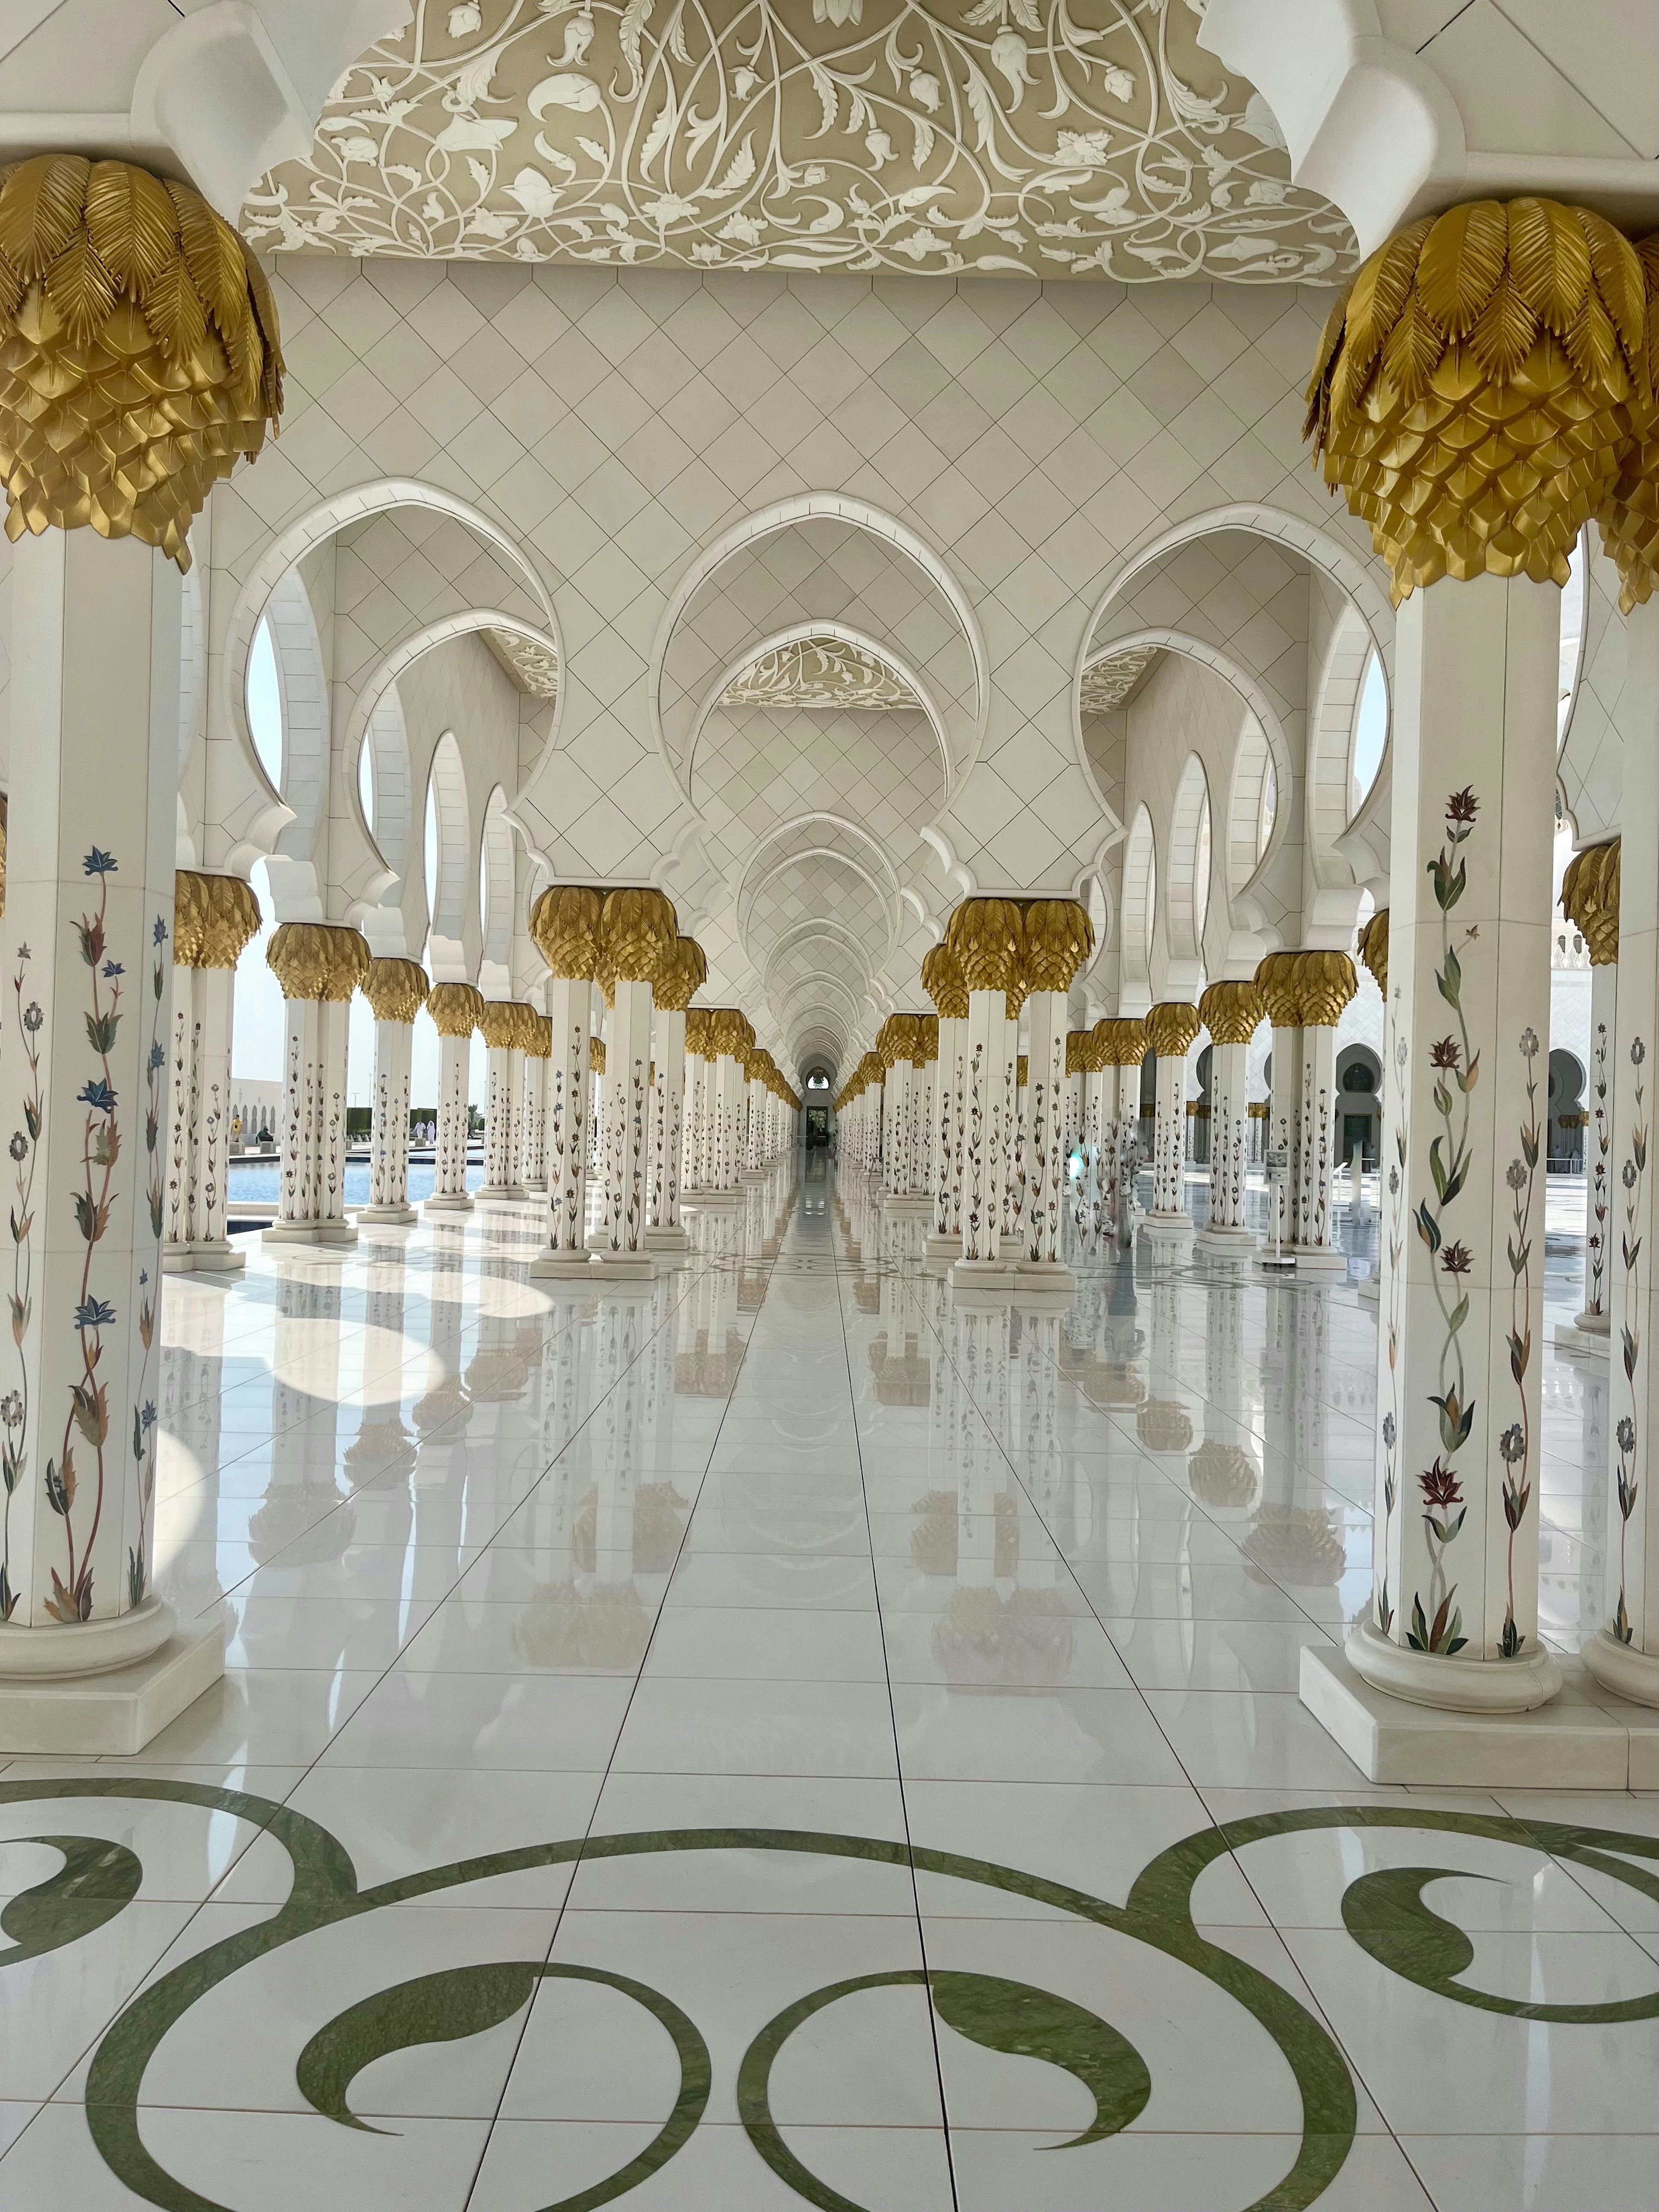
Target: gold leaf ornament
(1172,1029)
(1478,390)
(1232,1013)
(1589,899)
(456,1009)
(1628,518)
(565,925)
(637,933)
(395,989)
(140,357)
(316,960)
(1374,948)
(1058,938)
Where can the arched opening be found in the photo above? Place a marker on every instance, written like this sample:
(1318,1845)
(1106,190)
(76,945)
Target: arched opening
(1187,900)
(1139,900)
(495,898)
(1358,1102)
(1567,1114)
(1370,736)
(265,705)
(445,848)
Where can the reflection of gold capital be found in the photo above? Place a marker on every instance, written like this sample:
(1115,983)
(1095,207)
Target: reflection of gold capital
(1325,981)
(596,1055)
(988,937)
(1059,938)
(214,917)
(1232,1013)
(455,1008)
(1374,948)
(1172,1027)
(140,358)
(565,924)
(637,931)
(1477,385)
(395,989)
(942,980)
(1163,1425)
(682,976)
(1222,1474)
(1590,900)
(316,960)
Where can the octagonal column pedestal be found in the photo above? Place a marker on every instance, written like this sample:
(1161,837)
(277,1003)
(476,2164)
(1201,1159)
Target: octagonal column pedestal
(1171,1029)
(1453,1624)
(1232,1011)
(1625,1656)
(988,1123)
(1590,900)
(319,965)
(569,1011)
(213,918)
(456,1009)
(396,990)
(91,1660)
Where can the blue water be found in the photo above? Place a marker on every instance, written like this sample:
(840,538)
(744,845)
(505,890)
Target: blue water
(255,1181)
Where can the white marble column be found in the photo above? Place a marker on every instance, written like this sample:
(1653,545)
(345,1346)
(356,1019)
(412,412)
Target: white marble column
(754,1150)
(505,1025)
(988,1107)
(532,1108)
(456,1010)
(1172,1027)
(1454,1622)
(1590,901)
(214,917)
(638,931)
(83,1076)
(1232,1011)
(1275,979)
(699,1078)
(894,1045)
(1625,1654)
(318,966)
(1325,984)
(396,990)
(664,1231)
(565,925)
(941,977)
(1045,1147)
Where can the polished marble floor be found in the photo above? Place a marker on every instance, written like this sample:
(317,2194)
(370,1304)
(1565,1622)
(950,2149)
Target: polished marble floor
(766,1737)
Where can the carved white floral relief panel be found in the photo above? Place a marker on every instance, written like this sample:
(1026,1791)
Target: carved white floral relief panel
(1048,137)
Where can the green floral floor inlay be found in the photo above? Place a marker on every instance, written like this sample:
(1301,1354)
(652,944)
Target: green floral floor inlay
(1384,1912)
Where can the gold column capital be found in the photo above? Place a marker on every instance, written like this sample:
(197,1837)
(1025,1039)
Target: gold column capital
(683,972)
(942,980)
(1374,948)
(1120,1044)
(638,930)
(1276,980)
(1589,899)
(1022,1071)
(565,925)
(987,936)
(140,357)
(214,918)
(1172,1027)
(1325,981)
(318,960)
(539,1043)
(1076,1051)
(1480,387)
(698,1022)
(395,989)
(503,1023)
(1059,938)
(925,1046)
(455,1008)
(1232,1013)
(596,1055)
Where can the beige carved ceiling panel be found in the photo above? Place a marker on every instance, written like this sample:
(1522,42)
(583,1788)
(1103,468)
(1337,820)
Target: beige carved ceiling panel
(1110,682)
(823,675)
(1048,137)
(534,667)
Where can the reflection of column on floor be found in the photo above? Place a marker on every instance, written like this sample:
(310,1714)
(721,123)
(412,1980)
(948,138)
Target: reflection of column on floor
(213,918)
(296,1519)
(616,1626)
(547,1632)
(456,1010)
(396,991)
(1589,899)
(382,1442)
(1040,1621)
(958,1531)
(445,1397)
(1297,1540)
(1222,1472)
(1163,1422)
(193,1381)
(319,967)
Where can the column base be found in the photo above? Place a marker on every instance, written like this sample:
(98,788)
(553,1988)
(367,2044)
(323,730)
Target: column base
(667,1237)
(447,1202)
(536,1185)
(387,1217)
(1371,1291)
(993,1278)
(906,1202)
(113,1713)
(1622,1670)
(1572,1743)
(1174,1229)
(309,1232)
(215,1255)
(624,1266)
(502,1193)
(1046,1277)
(941,1247)
(1317,1260)
(712,1201)
(754,1174)
(566,1264)
(1453,1685)
(1239,1243)
(1579,1342)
